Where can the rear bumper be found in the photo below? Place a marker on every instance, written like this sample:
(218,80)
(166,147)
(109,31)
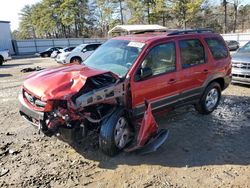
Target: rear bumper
(60,61)
(34,117)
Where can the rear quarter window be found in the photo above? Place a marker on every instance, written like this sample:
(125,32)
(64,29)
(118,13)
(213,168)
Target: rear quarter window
(217,48)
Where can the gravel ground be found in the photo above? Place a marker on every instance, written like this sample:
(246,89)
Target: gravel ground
(202,151)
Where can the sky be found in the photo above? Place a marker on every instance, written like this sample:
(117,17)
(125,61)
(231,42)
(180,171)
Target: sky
(10,9)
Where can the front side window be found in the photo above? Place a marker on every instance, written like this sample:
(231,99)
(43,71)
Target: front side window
(161,59)
(79,48)
(217,48)
(90,47)
(192,53)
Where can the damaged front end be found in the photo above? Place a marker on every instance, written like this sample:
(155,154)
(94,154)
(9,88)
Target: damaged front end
(71,115)
(76,102)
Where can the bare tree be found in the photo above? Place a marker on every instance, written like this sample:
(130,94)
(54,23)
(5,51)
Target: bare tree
(236,4)
(224,3)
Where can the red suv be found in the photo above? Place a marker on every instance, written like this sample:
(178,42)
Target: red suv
(108,90)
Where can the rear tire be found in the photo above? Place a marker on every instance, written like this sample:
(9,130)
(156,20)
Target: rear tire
(115,133)
(210,99)
(1,61)
(76,60)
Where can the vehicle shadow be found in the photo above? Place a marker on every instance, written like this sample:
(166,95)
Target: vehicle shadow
(195,140)
(5,75)
(242,85)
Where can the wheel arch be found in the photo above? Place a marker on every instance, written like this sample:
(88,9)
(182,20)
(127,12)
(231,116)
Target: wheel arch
(219,78)
(78,57)
(220,81)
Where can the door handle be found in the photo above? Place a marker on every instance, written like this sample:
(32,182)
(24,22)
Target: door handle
(205,71)
(171,81)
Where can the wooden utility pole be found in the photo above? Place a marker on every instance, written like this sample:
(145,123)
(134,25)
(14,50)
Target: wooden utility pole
(120,2)
(225,15)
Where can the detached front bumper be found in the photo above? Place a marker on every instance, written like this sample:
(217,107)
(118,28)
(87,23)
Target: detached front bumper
(30,115)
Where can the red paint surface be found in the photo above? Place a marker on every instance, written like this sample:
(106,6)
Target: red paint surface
(58,83)
(185,79)
(148,127)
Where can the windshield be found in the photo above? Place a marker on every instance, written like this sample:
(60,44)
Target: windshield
(79,48)
(245,48)
(116,56)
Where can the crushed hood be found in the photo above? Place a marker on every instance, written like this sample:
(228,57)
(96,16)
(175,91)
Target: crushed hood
(60,82)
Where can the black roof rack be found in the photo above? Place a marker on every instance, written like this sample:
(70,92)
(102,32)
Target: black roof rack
(149,31)
(190,31)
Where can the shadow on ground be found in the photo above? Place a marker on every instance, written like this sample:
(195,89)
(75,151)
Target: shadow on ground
(195,140)
(5,75)
(242,85)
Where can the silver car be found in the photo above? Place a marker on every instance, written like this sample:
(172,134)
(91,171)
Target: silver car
(232,45)
(241,65)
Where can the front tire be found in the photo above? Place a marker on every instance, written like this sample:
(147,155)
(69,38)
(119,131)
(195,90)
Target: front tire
(210,99)
(115,133)
(76,60)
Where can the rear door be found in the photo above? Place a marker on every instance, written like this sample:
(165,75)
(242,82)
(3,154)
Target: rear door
(160,87)
(195,68)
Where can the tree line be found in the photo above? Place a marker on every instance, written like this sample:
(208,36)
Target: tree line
(94,18)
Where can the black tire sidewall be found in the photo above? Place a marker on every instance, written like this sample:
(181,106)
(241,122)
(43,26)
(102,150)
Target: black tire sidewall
(203,99)
(75,58)
(1,61)
(209,88)
(107,132)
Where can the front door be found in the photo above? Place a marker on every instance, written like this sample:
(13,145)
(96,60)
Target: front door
(155,79)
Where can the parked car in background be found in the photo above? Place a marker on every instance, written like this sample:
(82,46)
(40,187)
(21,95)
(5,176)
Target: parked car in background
(241,65)
(232,45)
(48,52)
(4,56)
(108,90)
(56,52)
(79,54)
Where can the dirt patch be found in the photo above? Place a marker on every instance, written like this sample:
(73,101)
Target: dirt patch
(202,151)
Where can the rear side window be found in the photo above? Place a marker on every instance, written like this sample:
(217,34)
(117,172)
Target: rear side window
(217,48)
(92,47)
(192,53)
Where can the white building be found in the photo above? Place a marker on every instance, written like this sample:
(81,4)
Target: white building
(5,36)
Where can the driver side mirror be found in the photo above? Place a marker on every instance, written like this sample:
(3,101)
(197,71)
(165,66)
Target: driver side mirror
(144,73)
